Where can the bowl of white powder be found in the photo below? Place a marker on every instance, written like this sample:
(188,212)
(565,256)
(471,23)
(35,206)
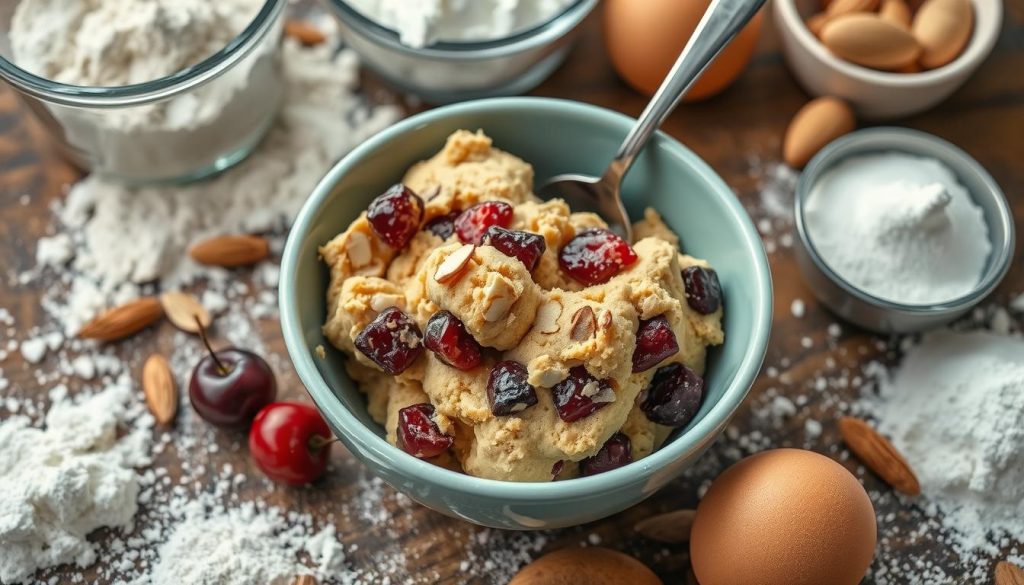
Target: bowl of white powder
(147,92)
(454,50)
(901,231)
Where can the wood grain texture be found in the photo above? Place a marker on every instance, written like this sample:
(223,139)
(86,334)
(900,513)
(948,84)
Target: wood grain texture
(732,133)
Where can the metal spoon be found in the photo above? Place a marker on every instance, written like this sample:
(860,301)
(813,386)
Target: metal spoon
(721,22)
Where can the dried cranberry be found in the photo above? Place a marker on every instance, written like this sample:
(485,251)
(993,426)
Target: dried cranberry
(615,453)
(674,396)
(595,255)
(395,216)
(508,391)
(655,341)
(446,336)
(525,246)
(581,395)
(392,341)
(418,434)
(472,224)
(703,291)
(442,226)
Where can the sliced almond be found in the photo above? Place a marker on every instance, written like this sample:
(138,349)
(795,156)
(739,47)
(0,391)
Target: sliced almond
(499,296)
(160,390)
(304,32)
(230,251)
(671,527)
(454,265)
(605,322)
(183,310)
(381,301)
(122,321)
(879,455)
(304,580)
(584,325)
(547,317)
(358,249)
(431,193)
(1008,573)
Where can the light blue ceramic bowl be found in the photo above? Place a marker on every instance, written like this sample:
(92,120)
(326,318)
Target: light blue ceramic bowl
(555,136)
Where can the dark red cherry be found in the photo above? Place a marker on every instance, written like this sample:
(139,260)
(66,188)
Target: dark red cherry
(508,390)
(472,224)
(418,434)
(442,226)
(525,246)
(615,453)
(395,215)
(580,395)
(228,387)
(392,341)
(595,255)
(674,396)
(446,336)
(703,291)
(655,341)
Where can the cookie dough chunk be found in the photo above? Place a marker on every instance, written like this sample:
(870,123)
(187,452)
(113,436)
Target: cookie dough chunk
(494,295)
(356,251)
(469,170)
(653,226)
(360,300)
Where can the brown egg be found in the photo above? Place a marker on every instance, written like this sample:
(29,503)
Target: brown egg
(644,39)
(585,566)
(783,517)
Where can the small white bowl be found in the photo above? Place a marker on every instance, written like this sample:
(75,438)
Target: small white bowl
(879,95)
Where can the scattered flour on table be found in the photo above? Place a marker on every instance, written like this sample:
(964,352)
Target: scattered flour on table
(69,476)
(955,408)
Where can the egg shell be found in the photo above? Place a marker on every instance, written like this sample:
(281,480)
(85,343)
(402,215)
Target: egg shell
(644,39)
(592,566)
(784,517)
(943,27)
(819,122)
(868,39)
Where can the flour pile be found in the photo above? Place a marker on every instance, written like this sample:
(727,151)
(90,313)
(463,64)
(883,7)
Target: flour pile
(955,408)
(72,475)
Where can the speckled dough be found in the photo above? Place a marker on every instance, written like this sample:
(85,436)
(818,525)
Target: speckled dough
(515,315)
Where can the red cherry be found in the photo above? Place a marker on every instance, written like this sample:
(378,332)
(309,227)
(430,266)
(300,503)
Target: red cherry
(472,224)
(525,246)
(392,341)
(580,395)
(655,341)
(418,434)
(595,255)
(395,215)
(446,336)
(290,442)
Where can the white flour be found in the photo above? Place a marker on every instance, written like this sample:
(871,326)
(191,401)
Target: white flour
(112,43)
(424,22)
(955,408)
(900,227)
(61,482)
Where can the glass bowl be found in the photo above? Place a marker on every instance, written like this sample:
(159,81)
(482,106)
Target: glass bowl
(101,129)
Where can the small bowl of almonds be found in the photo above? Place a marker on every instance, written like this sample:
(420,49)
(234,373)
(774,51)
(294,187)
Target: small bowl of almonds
(887,58)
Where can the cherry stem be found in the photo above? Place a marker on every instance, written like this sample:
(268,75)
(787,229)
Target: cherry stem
(317,442)
(224,371)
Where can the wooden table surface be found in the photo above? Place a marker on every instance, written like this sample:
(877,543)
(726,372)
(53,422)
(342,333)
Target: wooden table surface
(739,134)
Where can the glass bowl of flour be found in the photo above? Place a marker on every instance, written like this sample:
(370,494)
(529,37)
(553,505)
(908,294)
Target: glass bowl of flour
(454,50)
(147,92)
(900,231)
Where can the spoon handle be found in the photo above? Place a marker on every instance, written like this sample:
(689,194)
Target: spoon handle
(721,22)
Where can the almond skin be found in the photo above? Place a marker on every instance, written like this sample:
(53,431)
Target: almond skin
(672,527)
(159,388)
(183,310)
(230,251)
(305,33)
(122,321)
(592,565)
(819,122)
(896,12)
(879,455)
(1009,574)
(942,28)
(840,7)
(869,40)
(816,23)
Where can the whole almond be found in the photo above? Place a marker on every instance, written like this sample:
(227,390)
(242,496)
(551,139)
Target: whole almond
(869,40)
(840,7)
(671,527)
(942,28)
(159,388)
(816,23)
(1009,574)
(584,324)
(896,12)
(452,267)
(304,580)
(230,251)
(591,565)
(183,309)
(304,32)
(819,122)
(879,455)
(122,321)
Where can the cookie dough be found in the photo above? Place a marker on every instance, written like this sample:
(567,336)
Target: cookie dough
(542,319)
